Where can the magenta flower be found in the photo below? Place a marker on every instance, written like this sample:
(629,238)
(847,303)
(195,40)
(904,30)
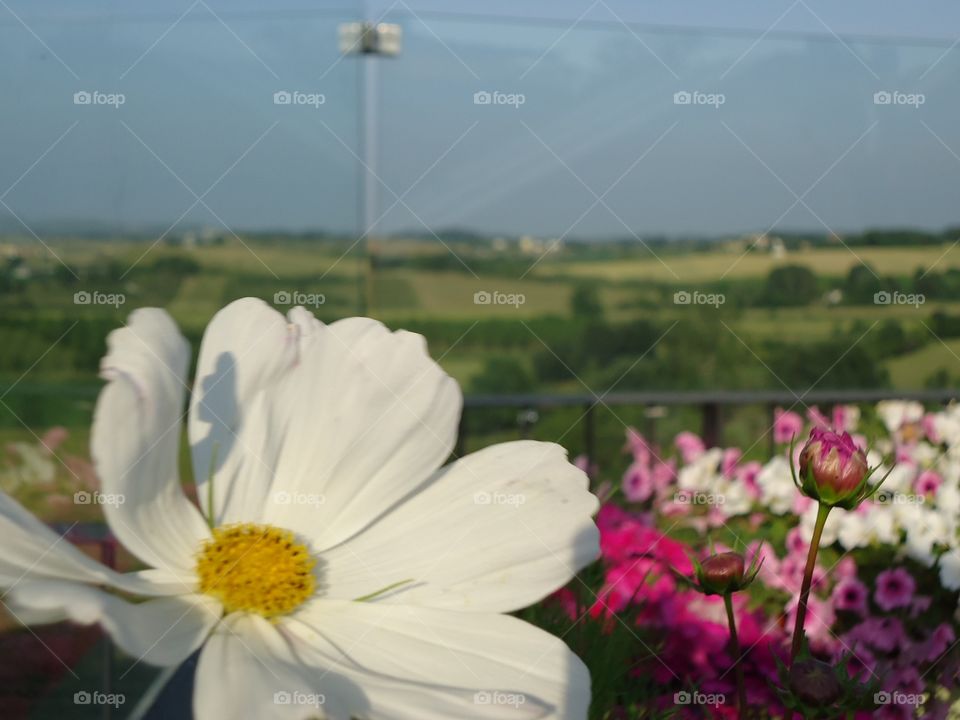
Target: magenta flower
(850,594)
(861,663)
(833,470)
(786,425)
(895,588)
(940,640)
(881,633)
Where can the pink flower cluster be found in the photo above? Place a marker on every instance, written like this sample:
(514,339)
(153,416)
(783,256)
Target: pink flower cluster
(641,565)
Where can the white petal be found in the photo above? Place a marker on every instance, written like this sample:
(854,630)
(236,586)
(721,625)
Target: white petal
(30,550)
(496,531)
(248,670)
(365,418)
(424,664)
(136,438)
(164,631)
(246,347)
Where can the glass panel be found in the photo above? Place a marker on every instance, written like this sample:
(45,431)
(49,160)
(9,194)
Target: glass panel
(163,160)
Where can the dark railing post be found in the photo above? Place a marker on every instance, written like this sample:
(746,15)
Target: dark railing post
(772,409)
(711,424)
(589,434)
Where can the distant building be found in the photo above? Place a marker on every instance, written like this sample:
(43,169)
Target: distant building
(530,245)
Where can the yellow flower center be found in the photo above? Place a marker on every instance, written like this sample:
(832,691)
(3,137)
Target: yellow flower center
(256,568)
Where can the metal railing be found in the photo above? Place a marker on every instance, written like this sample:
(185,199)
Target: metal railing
(711,404)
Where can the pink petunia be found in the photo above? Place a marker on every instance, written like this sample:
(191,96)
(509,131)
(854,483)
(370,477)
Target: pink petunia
(940,640)
(820,618)
(638,482)
(748,473)
(850,594)
(885,634)
(929,425)
(690,446)
(817,418)
(796,545)
(728,465)
(845,418)
(53,438)
(786,425)
(927,483)
(861,663)
(846,568)
(894,588)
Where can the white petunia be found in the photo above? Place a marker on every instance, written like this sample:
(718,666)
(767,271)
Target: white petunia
(830,528)
(777,490)
(702,475)
(925,528)
(854,531)
(897,413)
(882,523)
(333,556)
(950,570)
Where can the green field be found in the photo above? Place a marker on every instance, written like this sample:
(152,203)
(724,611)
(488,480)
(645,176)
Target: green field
(712,266)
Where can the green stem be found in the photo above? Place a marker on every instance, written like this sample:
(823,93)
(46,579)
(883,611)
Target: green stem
(822,512)
(735,647)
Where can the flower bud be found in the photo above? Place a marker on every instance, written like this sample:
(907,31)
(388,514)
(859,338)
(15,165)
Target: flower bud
(722,572)
(725,572)
(833,470)
(814,683)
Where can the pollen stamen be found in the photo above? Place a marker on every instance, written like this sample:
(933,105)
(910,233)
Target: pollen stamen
(256,568)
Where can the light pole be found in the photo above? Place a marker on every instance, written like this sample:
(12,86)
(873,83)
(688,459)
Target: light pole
(368,40)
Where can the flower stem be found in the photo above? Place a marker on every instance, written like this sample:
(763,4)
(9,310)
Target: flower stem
(822,512)
(735,647)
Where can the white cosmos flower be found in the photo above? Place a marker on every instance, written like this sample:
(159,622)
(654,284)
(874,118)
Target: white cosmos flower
(343,562)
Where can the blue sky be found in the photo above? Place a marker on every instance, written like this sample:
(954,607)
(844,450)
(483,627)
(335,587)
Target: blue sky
(598,147)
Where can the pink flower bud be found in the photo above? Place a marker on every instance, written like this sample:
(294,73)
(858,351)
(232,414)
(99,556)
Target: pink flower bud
(832,467)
